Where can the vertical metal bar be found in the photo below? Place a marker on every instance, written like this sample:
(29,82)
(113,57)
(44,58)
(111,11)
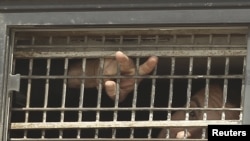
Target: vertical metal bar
(5,98)
(190,71)
(117,97)
(229,39)
(192,39)
(171,90)
(103,39)
(246,111)
(171,86)
(33,39)
(13,66)
(226,80)
(80,116)
(152,100)
(189,88)
(139,40)
(63,98)
(86,39)
(68,40)
(192,42)
(46,94)
(174,38)
(3,76)
(156,39)
(243,87)
(99,97)
(207,83)
(28,95)
(64,92)
(225,87)
(210,39)
(134,97)
(121,40)
(206,100)
(50,40)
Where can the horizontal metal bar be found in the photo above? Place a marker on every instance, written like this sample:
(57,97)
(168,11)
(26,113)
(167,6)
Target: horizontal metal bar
(120,124)
(86,46)
(135,76)
(125,109)
(65,5)
(102,139)
(131,30)
(142,53)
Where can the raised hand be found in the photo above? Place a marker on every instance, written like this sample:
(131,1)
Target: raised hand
(126,66)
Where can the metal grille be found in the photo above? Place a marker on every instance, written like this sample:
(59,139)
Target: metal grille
(189,59)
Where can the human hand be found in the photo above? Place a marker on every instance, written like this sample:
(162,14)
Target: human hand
(127,67)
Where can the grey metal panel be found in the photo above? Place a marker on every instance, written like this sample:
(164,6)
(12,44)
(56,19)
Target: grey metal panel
(3,76)
(246,106)
(174,17)
(97,5)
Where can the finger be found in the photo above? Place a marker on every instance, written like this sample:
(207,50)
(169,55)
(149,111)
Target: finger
(110,67)
(126,64)
(181,135)
(148,66)
(123,95)
(74,70)
(125,89)
(110,87)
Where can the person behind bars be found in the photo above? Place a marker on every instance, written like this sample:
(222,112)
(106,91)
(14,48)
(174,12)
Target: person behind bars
(127,67)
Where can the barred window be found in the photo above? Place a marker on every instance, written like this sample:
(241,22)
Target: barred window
(199,80)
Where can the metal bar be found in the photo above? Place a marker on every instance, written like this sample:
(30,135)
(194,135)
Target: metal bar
(27,31)
(28,94)
(145,76)
(134,101)
(123,109)
(121,124)
(170,100)
(99,95)
(143,53)
(225,87)
(64,95)
(246,106)
(103,5)
(156,76)
(46,95)
(206,100)
(189,87)
(243,87)
(103,139)
(117,99)
(152,100)
(81,98)
(4,67)
(124,46)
